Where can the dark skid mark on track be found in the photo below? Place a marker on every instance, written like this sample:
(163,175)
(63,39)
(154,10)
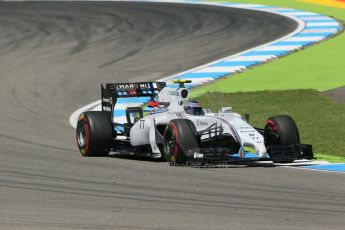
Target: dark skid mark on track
(53,57)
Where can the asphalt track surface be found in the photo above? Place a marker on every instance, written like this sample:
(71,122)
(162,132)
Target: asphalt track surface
(53,57)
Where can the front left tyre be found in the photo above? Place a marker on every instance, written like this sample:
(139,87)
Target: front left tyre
(94,133)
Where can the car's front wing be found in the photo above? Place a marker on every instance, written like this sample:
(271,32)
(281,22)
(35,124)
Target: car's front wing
(277,153)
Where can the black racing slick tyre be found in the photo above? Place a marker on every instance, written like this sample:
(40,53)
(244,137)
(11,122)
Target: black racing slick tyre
(180,137)
(281,130)
(94,133)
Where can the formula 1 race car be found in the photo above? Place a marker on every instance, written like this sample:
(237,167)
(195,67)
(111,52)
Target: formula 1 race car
(181,131)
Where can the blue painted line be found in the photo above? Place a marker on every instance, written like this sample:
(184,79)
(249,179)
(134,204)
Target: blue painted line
(312,15)
(236,63)
(313,35)
(326,20)
(272,7)
(276,53)
(289,11)
(290,43)
(286,11)
(222,75)
(323,27)
(232,3)
(132,100)
(262,7)
(330,167)
(191,86)
(199,75)
(174,86)
(119,113)
(304,15)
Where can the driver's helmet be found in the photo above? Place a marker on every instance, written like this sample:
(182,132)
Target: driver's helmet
(193,107)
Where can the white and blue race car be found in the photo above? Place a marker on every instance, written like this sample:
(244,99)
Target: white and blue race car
(181,131)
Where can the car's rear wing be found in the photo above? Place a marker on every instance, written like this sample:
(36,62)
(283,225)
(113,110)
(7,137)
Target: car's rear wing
(112,91)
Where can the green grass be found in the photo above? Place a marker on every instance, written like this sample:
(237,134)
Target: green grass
(318,67)
(320,120)
(330,158)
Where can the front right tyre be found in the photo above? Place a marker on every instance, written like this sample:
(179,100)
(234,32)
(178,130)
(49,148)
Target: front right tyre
(279,131)
(180,140)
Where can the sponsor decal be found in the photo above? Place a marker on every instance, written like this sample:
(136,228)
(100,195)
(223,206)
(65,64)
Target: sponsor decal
(106,109)
(198,122)
(142,124)
(131,86)
(198,155)
(247,131)
(250,132)
(243,127)
(254,137)
(219,114)
(107,100)
(174,93)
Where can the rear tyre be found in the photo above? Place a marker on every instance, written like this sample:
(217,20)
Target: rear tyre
(281,130)
(180,136)
(94,133)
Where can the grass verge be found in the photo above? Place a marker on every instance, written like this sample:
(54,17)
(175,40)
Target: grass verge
(318,67)
(320,119)
(330,158)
